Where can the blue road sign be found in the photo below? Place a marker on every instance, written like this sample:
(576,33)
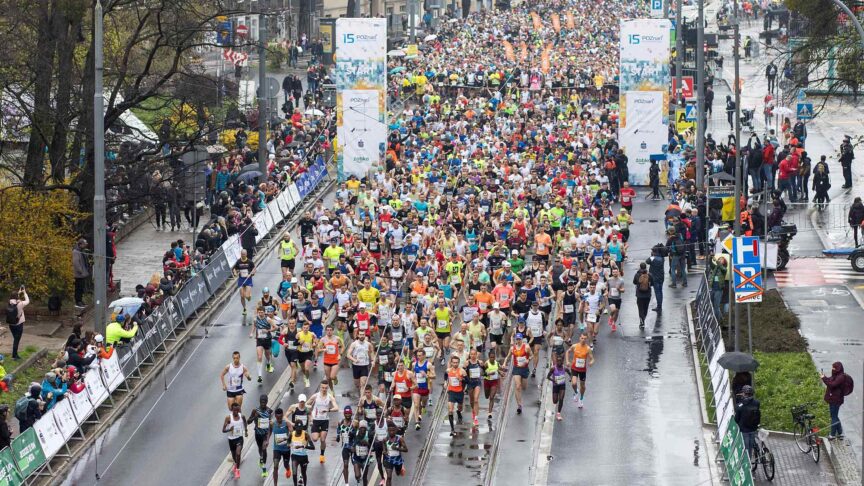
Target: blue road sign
(747,267)
(805,111)
(690,112)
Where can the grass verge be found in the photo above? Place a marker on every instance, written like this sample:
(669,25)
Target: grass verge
(784,380)
(35,372)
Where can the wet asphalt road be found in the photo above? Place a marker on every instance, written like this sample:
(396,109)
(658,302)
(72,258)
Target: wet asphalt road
(641,417)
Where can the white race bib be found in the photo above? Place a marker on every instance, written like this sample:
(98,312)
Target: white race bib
(580,363)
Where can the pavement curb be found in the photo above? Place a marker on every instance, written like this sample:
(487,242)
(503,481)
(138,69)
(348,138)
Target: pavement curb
(708,429)
(118,405)
(844,463)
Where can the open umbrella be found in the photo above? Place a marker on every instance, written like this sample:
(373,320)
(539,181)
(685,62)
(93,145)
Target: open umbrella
(396,53)
(249,168)
(248,177)
(783,111)
(129,305)
(314,112)
(737,361)
(397,69)
(430,38)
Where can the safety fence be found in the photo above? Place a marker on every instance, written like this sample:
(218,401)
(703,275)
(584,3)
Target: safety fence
(29,456)
(709,338)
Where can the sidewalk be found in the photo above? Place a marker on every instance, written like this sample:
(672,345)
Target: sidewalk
(792,467)
(139,255)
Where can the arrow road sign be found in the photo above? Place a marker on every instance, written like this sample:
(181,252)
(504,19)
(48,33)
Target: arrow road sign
(805,111)
(690,113)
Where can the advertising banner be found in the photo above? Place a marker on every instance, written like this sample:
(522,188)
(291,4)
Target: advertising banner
(174,315)
(232,248)
(327,33)
(162,322)
(216,272)
(65,419)
(27,452)
(128,360)
(112,375)
(50,438)
(643,132)
(645,51)
(361,80)
(95,389)
(81,406)
(260,221)
(294,195)
(9,475)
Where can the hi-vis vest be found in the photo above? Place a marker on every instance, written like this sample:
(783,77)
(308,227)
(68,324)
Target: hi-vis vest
(289,251)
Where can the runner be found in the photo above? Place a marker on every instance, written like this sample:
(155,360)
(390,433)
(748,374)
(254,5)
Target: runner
(535,321)
(491,381)
(332,347)
(395,445)
(397,414)
(261,418)
(424,374)
(578,358)
(346,434)
(281,432)
(359,353)
(306,344)
(521,354)
(299,413)
(236,372)
(362,446)
(592,306)
(558,376)
(235,426)
(615,286)
(301,443)
(323,403)
(497,321)
(443,319)
(370,406)
(473,372)
(403,382)
(287,255)
(245,269)
(288,340)
(262,332)
(455,392)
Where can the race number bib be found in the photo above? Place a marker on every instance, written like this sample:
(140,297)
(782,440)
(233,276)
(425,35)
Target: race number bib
(591,317)
(521,361)
(580,363)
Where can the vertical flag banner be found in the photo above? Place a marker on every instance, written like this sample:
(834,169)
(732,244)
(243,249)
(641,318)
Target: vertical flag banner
(571,22)
(556,22)
(545,62)
(508,51)
(524,54)
(538,25)
(644,71)
(361,80)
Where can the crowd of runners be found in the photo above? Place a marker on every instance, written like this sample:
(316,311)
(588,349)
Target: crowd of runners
(494,235)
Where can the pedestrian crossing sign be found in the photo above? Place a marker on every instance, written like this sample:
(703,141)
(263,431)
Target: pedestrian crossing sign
(690,112)
(805,111)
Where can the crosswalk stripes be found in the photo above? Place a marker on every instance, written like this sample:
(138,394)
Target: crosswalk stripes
(818,271)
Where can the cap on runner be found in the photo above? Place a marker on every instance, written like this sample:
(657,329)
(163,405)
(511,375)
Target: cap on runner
(519,335)
(302,397)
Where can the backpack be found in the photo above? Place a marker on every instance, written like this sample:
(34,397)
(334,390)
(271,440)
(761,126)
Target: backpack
(21,406)
(848,386)
(644,282)
(12,314)
(610,164)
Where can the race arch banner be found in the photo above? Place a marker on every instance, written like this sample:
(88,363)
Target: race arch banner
(645,51)
(361,80)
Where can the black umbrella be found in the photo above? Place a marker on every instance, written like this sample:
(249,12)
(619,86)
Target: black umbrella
(249,168)
(737,361)
(247,177)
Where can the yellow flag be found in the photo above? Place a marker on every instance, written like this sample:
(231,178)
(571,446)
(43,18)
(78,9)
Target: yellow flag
(728,212)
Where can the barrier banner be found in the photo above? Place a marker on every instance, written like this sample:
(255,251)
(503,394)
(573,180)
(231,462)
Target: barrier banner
(294,194)
(50,438)
(9,475)
(128,360)
(269,217)
(643,131)
(27,452)
(284,203)
(162,322)
(232,248)
(65,419)
(216,272)
(80,404)
(95,389)
(361,79)
(112,375)
(149,333)
(260,222)
(199,292)
(275,210)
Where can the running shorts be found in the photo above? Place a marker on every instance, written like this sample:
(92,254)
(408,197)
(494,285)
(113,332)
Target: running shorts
(233,443)
(235,394)
(581,375)
(244,282)
(521,371)
(305,356)
(265,343)
(442,335)
(319,426)
(455,397)
(301,460)
(537,341)
(360,371)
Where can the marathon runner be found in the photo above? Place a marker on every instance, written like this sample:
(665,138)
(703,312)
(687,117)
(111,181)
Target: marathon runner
(360,353)
(281,432)
(306,345)
(578,358)
(332,347)
(455,391)
(235,426)
(346,434)
(521,354)
(236,372)
(558,376)
(301,443)
(395,446)
(323,403)
(262,332)
(288,340)
(473,379)
(361,451)
(491,381)
(261,419)
(245,269)
(424,375)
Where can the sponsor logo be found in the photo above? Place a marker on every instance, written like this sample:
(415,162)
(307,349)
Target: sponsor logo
(352,38)
(639,39)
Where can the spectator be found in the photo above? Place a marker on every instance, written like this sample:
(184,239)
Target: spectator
(116,333)
(75,357)
(835,391)
(677,262)
(656,268)
(748,416)
(81,271)
(5,431)
(643,282)
(15,318)
(847,155)
(28,409)
(54,388)
(856,218)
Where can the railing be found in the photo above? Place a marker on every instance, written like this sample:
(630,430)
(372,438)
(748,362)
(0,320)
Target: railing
(30,454)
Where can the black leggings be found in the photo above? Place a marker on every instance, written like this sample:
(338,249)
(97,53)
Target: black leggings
(299,464)
(261,440)
(642,303)
(17,331)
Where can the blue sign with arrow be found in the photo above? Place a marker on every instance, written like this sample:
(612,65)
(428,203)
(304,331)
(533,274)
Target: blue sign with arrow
(690,112)
(805,111)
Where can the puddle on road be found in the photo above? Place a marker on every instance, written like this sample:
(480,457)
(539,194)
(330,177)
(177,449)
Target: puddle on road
(655,349)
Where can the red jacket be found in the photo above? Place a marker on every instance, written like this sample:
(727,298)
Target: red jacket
(768,154)
(835,384)
(785,169)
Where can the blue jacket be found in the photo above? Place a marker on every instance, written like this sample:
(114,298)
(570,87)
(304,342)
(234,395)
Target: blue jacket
(222,180)
(58,388)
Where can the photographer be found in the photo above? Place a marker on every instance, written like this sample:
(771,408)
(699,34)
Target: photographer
(15,318)
(116,332)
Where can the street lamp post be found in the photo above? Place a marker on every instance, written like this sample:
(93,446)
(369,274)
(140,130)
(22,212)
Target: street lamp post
(737,199)
(700,97)
(263,112)
(679,53)
(100,272)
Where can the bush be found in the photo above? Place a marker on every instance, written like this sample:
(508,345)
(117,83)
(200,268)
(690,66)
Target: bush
(775,327)
(36,249)
(784,380)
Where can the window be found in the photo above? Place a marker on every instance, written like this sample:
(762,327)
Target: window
(401,8)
